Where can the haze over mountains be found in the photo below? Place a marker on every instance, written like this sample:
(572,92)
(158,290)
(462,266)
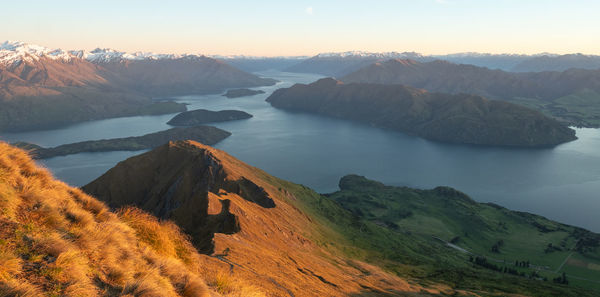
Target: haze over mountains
(555,93)
(337,64)
(43,88)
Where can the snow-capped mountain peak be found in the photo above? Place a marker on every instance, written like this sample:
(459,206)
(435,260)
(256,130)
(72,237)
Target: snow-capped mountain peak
(104,55)
(14,52)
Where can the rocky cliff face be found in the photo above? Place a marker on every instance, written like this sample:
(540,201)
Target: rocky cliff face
(461,118)
(176,182)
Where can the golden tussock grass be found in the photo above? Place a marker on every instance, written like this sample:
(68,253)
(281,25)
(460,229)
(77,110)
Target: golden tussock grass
(57,241)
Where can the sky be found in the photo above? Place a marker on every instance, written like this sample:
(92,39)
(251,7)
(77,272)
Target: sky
(279,28)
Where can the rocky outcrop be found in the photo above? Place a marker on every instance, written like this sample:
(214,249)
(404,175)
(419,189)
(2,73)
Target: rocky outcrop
(177,182)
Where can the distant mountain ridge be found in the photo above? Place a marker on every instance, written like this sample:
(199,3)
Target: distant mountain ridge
(572,96)
(338,64)
(558,63)
(342,63)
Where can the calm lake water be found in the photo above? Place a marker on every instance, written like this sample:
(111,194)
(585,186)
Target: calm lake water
(562,183)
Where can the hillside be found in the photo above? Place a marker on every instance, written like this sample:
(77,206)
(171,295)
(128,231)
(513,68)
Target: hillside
(57,241)
(42,88)
(458,118)
(546,91)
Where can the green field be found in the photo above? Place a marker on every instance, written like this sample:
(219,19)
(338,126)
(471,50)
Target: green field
(580,109)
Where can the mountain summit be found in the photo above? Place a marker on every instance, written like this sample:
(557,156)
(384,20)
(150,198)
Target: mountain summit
(241,215)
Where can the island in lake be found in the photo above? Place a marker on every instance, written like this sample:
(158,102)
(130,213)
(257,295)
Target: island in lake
(459,118)
(203,116)
(203,134)
(242,93)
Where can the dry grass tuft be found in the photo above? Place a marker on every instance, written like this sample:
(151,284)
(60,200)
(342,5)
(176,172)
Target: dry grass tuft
(163,236)
(14,288)
(9,265)
(227,284)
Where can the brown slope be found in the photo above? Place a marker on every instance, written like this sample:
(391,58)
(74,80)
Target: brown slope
(267,238)
(182,76)
(458,118)
(45,93)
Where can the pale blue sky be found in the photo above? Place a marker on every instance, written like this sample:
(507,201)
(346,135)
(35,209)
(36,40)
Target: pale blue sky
(308,27)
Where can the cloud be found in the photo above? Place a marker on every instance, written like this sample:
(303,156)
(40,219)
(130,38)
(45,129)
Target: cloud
(441,1)
(309,10)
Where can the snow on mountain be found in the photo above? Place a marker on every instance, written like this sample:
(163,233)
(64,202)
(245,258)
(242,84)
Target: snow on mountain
(244,57)
(104,55)
(15,52)
(362,54)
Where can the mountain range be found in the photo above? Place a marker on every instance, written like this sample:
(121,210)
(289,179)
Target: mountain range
(342,63)
(572,96)
(41,88)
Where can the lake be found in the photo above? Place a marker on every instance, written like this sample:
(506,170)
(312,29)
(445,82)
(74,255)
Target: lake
(561,183)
